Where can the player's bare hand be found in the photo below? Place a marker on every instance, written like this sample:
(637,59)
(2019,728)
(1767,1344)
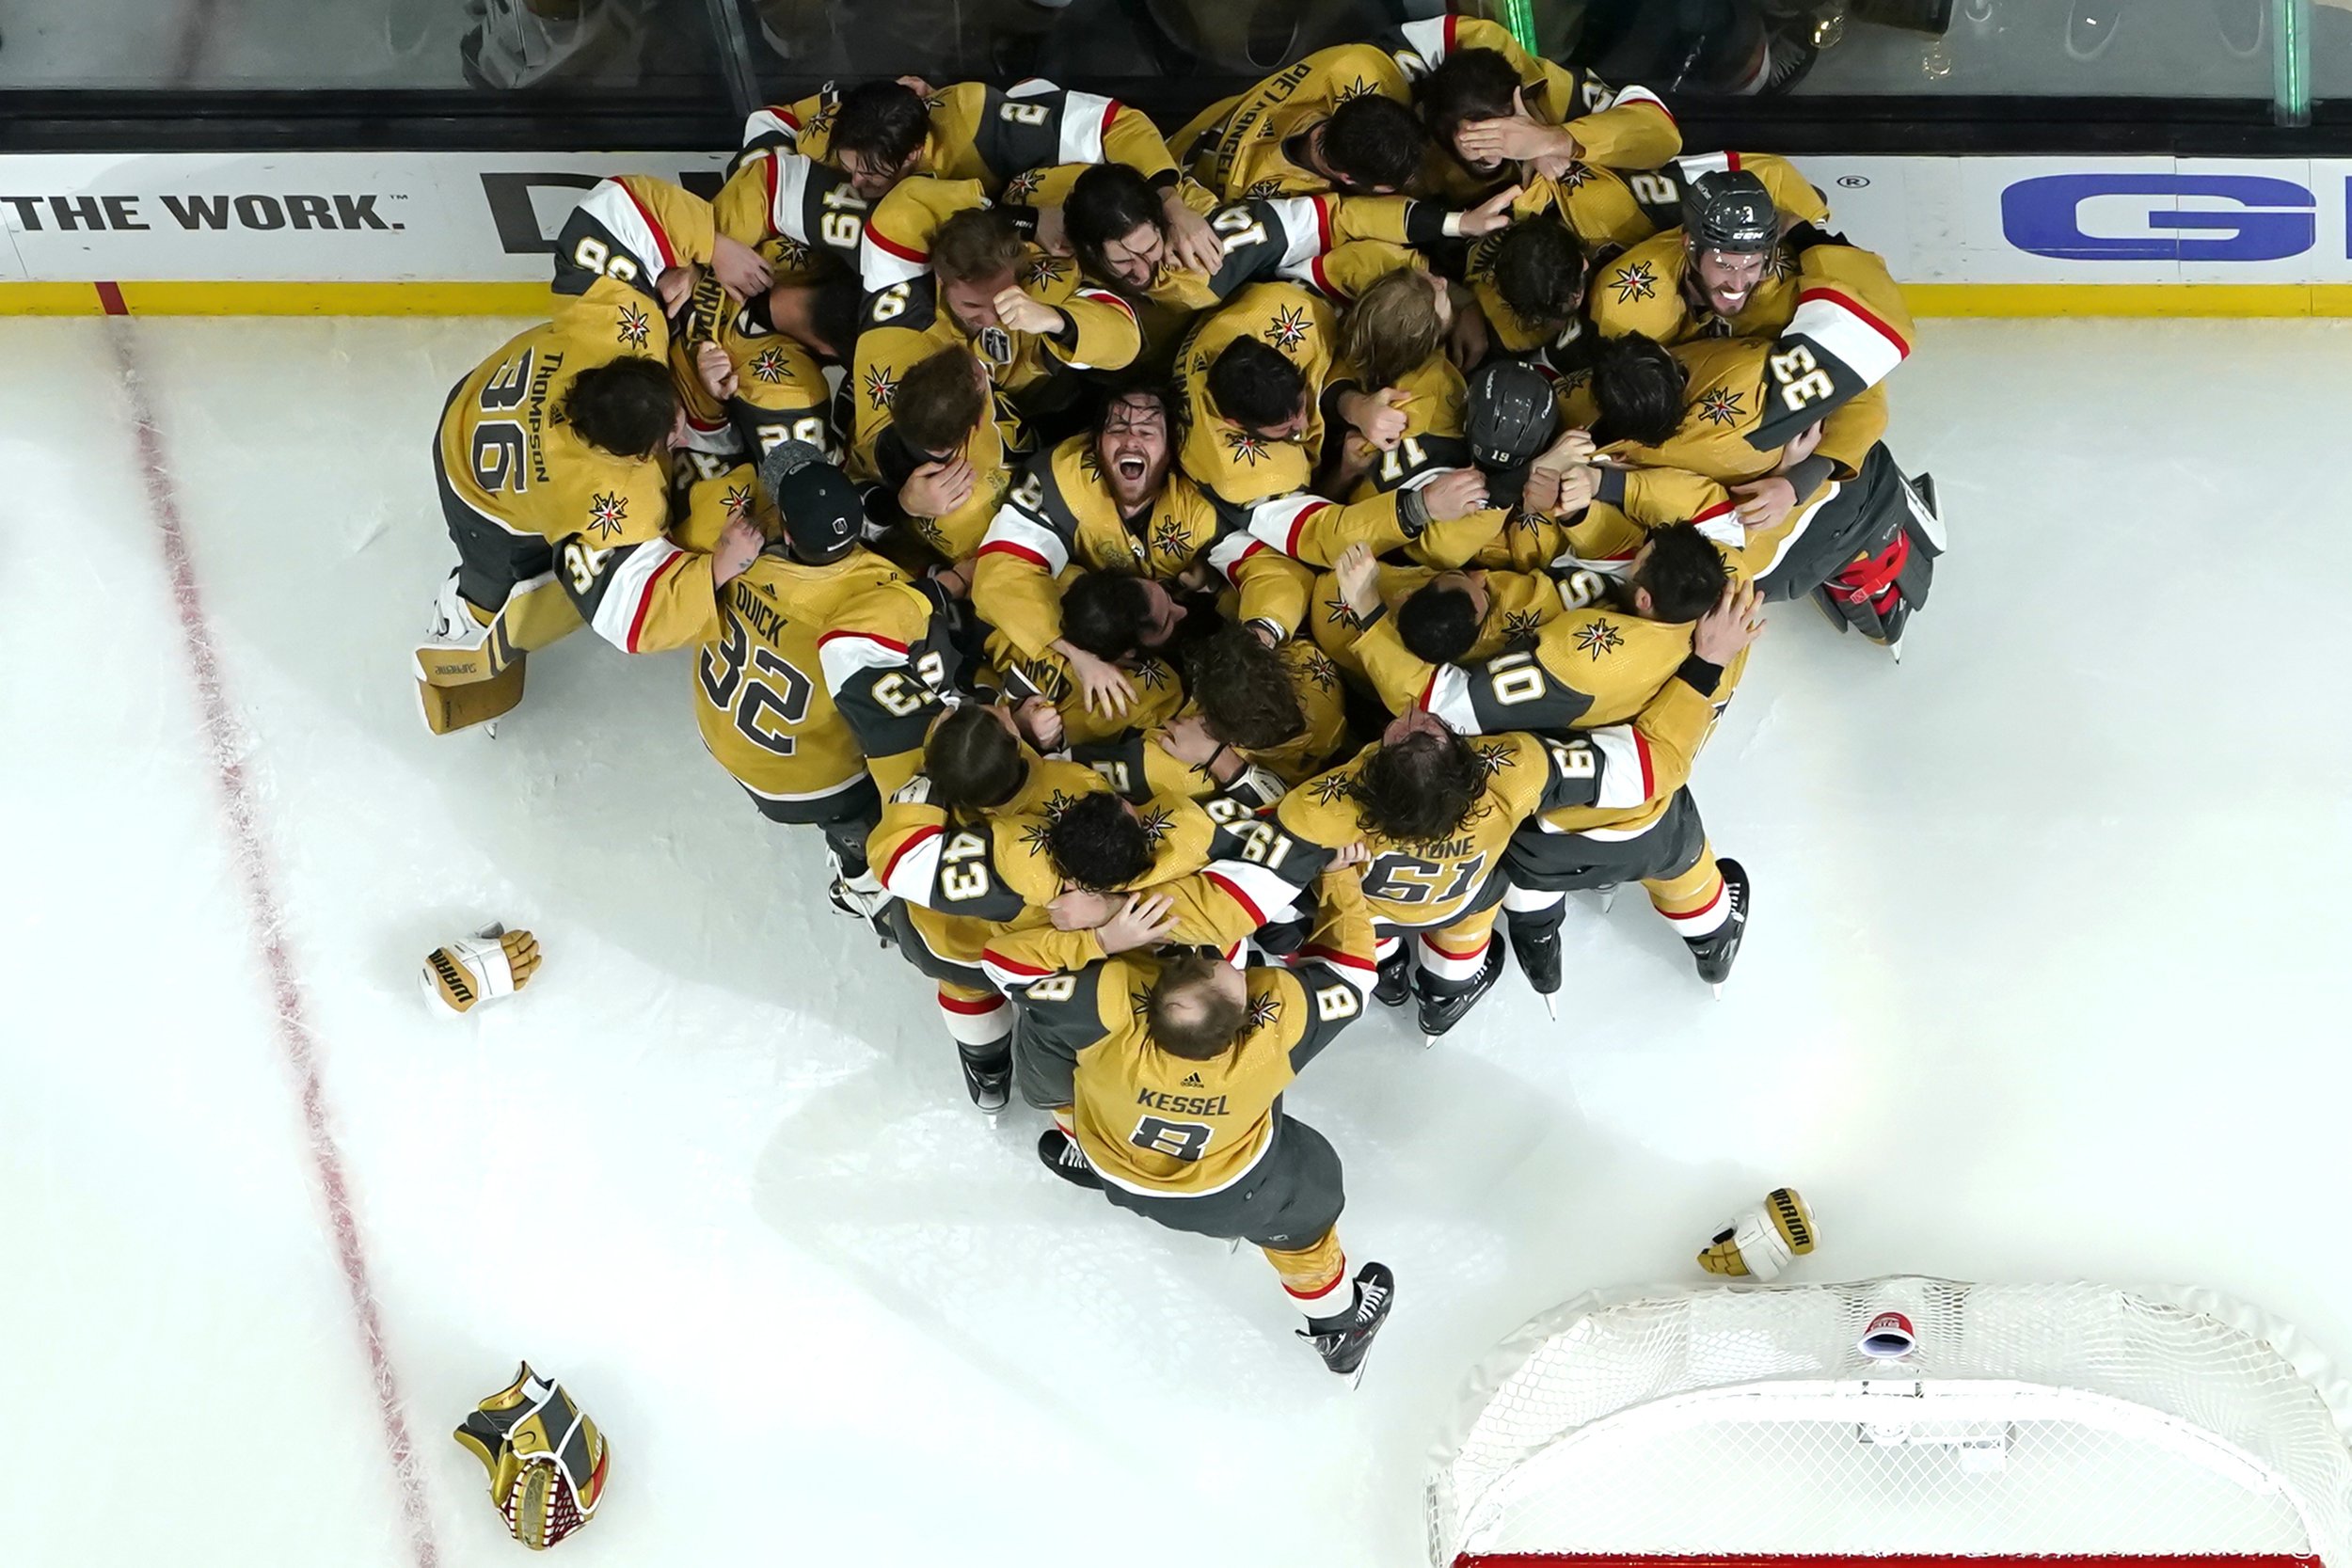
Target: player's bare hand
(1577,487)
(1467,335)
(1736,621)
(955,581)
(1145,922)
(1358,575)
(1040,721)
(922,89)
(1104,685)
(1800,447)
(1020,313)
(675,286)
(1490,215)
(1357,854)
(716,371)
(935,489)
(1191,242)
(1572,448)
(743,270)
(1764,502)
(1513,136)
(1378,417)
(1455,494)
(1188,740)
(739,545)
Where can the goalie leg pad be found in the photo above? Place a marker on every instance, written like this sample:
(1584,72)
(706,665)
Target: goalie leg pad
(1758,1244)
(450,708)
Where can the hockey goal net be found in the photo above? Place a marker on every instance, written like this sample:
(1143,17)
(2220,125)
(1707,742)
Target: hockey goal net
(1743,1425)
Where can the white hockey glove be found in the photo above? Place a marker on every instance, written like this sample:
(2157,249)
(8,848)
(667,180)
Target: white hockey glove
(491,963)
(1758,1244)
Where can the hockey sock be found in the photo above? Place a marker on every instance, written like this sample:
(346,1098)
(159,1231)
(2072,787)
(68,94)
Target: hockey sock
(1533,911)
(981,1023)
(1315,1278)
(1453,962)
(1694,903)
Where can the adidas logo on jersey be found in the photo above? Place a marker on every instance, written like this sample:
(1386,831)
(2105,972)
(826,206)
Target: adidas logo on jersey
(1192,1081)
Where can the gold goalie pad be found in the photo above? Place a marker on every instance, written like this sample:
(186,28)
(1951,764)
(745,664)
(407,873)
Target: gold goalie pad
(546,1460)
(1759,1243)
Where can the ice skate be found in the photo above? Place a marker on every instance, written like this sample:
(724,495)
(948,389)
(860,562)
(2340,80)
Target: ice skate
(1718,948)
(1343,1349)
(1064,1158)
(1538,950)
(988,1081)
(1441,1010)
(1396,979)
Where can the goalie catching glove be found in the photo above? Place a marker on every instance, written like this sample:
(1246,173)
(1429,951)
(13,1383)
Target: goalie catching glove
(492,963)
(1758,1244)
(547,1459)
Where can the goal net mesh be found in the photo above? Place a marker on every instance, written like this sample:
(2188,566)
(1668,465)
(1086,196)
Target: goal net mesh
(1744,1424)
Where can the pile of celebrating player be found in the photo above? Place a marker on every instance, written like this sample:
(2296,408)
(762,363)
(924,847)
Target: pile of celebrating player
(1197,584)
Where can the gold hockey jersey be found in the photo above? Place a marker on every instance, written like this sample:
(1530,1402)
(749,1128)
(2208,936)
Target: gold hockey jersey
(988,134)
(801,214)
(1159,690)
(780,392)
(764,710)
(1518,604)
(1137,763)
(1596,665)
(885,655)
(1151,1122)
(1060,513)
(504,454)
(1410,886)
(1239,465)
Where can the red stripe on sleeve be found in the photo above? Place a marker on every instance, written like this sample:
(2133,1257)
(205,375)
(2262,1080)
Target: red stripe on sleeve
(870,637)
(881,242)
(645,603)
(1731,162)
(1290,546)
(1110,112)
(1650,774)
(1428,690)
(990,956)
(1006,546)
(669,256)
(1848,302)
(773,221)
(921,835)
(1322,222)
(1227,886)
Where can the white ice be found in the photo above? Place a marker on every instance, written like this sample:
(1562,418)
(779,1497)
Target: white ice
(2044,981)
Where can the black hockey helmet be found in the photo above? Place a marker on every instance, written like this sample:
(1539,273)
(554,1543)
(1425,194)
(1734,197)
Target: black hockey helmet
(822,515)
(1512,414)
(1729,209)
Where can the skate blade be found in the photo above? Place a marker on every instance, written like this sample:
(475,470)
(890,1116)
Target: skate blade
(1718,985)
(1428,1040)
(1608,899)
(1896,648)
(1551,1006)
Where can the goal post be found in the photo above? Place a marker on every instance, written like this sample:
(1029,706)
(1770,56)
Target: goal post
(1744,1427)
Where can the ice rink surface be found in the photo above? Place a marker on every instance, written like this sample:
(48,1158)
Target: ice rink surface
(2044,981)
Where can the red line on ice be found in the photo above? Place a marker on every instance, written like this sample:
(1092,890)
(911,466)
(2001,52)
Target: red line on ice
(239,806)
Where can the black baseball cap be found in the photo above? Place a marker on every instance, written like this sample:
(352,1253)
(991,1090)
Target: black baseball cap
(822,515)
